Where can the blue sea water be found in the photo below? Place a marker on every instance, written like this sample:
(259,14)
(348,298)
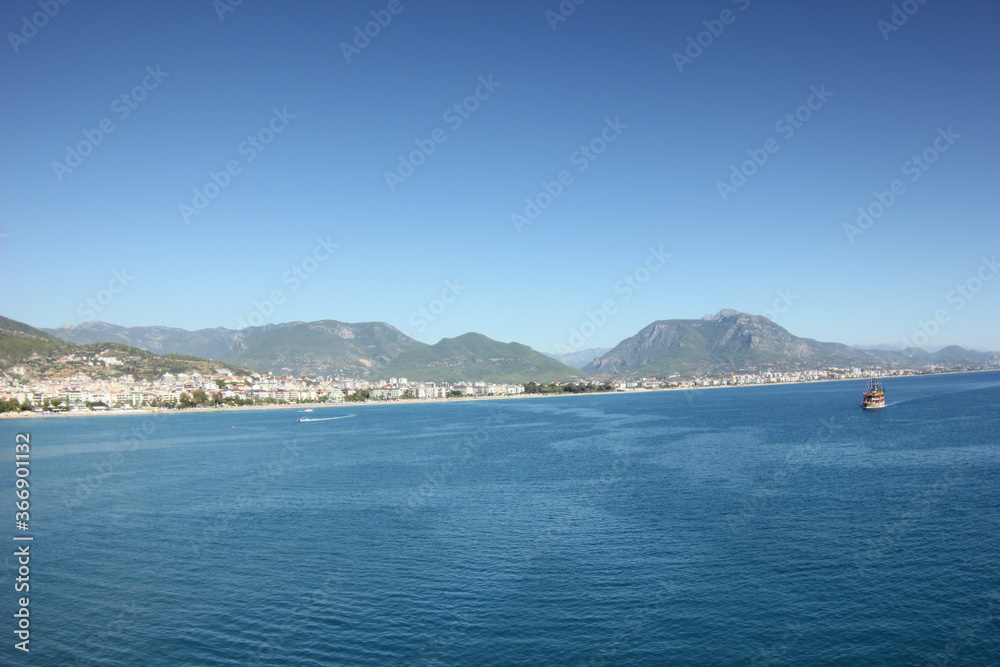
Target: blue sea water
(756,526)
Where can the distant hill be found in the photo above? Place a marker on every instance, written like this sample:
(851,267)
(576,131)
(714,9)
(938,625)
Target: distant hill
(727,342)
(19,342)
(142,364)
(46,356)
(473,356)
(205,343)
(325,347)
(956,353)
(730,342)
(580,358)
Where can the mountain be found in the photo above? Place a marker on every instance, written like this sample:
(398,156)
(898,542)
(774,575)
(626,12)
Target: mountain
(324,347)
(955,353)
(473,356)
(19,342)
(141,364)
(205,343)
(726,342)
(39,354)
(885,347)
(580,358)
(730,341)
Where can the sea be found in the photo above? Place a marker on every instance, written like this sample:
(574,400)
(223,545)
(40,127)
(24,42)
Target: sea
(771,525)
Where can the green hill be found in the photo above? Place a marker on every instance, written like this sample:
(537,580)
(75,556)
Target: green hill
(473,356)
(42,355)
(734,342)
(726,342)
(148,366)
(204,343)
(19,342)
(324,347)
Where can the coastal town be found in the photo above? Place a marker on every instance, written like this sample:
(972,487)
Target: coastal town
(104,391)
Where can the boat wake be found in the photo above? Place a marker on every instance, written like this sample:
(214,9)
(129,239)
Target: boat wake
(323,419)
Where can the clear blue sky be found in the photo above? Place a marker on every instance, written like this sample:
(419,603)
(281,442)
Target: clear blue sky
(656,184)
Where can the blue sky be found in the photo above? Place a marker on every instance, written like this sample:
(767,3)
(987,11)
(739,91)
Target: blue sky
(438,252)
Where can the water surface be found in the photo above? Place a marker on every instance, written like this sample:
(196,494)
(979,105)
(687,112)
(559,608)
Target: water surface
(761,525)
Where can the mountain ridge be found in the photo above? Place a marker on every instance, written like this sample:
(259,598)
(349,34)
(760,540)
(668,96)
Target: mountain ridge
(37,351)
(725,342)
(731,342)
(579,358)
(474,356)
(19,341)
(321,347)
(372,350)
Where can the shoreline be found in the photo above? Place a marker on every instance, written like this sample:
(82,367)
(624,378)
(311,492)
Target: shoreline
(421,401)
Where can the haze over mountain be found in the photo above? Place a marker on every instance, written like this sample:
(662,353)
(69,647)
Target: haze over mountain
(580,358)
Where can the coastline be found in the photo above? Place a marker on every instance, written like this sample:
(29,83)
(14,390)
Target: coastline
(421,401)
